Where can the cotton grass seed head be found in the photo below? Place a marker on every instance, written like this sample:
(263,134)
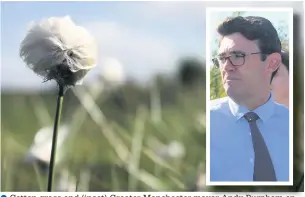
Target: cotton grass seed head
(57,49)
(42,143)
(113,71)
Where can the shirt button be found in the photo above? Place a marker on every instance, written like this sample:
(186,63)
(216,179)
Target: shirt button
(251,160)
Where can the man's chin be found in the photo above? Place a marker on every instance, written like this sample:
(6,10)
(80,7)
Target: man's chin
(232,91)
(231,86)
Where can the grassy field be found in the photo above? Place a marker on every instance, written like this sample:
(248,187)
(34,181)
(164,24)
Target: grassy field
(126,138)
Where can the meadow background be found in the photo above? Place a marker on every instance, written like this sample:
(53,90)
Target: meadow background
(125,134)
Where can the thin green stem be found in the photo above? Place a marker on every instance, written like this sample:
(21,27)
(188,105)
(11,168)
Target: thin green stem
(60,99)
(38,176)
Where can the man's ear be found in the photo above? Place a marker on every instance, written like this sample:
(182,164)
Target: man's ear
(273,62)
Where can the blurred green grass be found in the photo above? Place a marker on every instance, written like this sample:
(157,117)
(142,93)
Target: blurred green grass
(118,136)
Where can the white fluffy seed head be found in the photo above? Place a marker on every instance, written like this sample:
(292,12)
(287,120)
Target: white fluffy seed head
(113,71)
(42,144)
(57,41)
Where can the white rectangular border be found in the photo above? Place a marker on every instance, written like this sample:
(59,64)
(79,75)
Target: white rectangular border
(208,62)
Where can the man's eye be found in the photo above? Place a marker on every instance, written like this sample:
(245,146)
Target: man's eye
(238,55)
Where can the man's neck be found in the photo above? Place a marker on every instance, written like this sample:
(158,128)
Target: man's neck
(284,102)
(253,102)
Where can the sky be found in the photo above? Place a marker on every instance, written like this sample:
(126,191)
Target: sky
(145,37)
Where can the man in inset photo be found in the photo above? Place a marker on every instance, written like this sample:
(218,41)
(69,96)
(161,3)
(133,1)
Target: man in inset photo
(249,131)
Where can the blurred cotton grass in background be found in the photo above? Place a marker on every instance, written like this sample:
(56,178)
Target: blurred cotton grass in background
(39,155)
(57,49)
(42,144)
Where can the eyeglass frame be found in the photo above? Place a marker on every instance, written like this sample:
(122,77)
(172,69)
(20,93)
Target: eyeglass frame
(240,53)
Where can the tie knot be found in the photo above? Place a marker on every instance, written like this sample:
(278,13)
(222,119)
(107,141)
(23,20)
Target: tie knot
(251,116)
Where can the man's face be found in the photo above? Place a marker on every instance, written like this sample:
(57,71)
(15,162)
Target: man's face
(246,74)
(280,84)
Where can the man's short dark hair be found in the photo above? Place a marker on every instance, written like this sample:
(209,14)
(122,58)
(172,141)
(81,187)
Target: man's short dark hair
(253,28)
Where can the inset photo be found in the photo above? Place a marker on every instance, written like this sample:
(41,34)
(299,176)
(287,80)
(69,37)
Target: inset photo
(249,96)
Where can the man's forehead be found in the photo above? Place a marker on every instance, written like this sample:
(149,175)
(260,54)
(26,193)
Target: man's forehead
(230,52)
(236,42)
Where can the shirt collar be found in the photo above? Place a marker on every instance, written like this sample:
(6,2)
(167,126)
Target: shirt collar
(264,111)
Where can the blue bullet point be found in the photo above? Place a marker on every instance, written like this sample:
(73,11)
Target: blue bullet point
(3,195)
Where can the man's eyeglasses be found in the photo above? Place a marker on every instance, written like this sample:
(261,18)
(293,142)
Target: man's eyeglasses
(236,59)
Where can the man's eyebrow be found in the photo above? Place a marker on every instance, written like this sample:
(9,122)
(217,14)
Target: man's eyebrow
(231,52)
(237,52)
